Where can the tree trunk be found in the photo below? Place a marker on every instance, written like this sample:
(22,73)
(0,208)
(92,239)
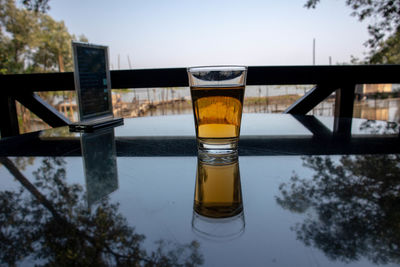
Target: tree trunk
(60,63)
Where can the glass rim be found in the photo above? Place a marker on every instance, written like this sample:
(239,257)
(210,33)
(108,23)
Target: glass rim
(217,68)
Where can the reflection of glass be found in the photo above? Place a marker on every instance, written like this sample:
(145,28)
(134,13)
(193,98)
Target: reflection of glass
(222,229)
(218,205)
(100,164)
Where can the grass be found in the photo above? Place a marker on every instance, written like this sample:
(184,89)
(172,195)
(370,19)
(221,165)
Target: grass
(271,100)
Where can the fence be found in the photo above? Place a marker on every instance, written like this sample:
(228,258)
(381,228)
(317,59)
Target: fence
(327,79)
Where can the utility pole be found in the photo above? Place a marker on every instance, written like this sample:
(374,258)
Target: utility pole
(313,59)
(129,62)
(130,67)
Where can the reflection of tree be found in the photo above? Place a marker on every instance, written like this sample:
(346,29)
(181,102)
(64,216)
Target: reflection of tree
(23,162)
(54,226)
(379,127)
(353,206)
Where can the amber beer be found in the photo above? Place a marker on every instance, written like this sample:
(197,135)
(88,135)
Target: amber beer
(218,191)
(218,113)
(217,96)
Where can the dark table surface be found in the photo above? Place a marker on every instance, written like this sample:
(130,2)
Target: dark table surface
(310,197)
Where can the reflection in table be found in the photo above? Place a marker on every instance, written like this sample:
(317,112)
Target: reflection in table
(327,209)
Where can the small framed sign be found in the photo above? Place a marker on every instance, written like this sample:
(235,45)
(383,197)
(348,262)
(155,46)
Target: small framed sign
(93,87)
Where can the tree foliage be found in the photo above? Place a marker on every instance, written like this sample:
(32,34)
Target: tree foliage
(385,15)
(36,5)
(17,36)
(33,41)
(384,27)
(389,51)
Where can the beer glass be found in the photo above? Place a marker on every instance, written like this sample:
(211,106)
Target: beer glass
(217,98)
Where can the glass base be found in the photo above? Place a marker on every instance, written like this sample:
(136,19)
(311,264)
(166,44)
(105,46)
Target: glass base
(217,145)
(217,151)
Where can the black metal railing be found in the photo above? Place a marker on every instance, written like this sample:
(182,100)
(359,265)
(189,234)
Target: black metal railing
(327,79)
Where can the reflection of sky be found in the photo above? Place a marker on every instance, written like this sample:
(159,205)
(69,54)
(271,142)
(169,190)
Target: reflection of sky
(252,125)
(75,174)
(177,33)
(267,240)
(183,125)
(156,196)
(7,180)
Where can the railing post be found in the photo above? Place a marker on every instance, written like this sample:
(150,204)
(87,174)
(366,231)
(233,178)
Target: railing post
(9,119)
(43,110)
(318,129)
(344,106)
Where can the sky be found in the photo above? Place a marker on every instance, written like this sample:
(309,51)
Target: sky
(183,33)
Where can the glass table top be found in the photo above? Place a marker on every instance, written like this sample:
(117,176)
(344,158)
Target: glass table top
(69,198)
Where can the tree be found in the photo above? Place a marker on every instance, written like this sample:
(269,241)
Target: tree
(389,51)
(19,39)
(384,28)
(37,5)
(386,15)
(33,41)
(54,50)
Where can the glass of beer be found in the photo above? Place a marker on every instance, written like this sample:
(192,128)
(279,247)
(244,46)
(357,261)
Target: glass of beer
(218,205)
(217,97)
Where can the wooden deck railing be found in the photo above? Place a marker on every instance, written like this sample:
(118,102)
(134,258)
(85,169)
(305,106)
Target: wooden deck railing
(327,79)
